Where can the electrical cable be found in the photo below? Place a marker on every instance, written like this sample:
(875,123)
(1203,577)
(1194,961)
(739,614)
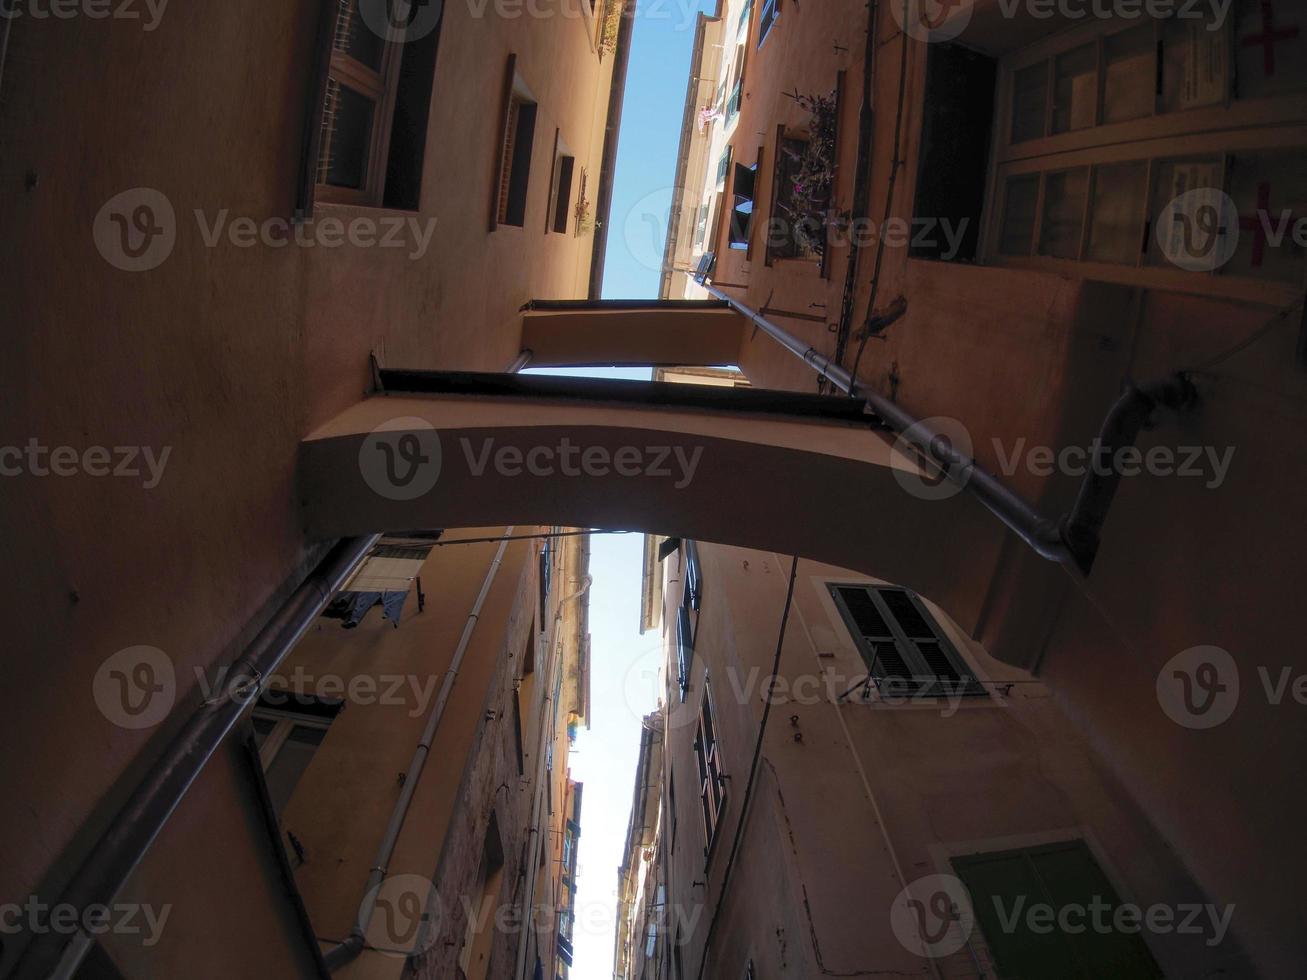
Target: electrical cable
(889,200)
(1248,341)
(526,537)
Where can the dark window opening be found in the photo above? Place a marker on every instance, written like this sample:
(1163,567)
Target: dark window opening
(372,101)
(516,163)
(684,648)
(958,115)
(742,205)
(563,193)
(771,9)
(408,132)
(905,650)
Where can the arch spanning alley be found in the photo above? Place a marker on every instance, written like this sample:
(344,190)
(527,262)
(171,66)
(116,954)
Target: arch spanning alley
(795,474)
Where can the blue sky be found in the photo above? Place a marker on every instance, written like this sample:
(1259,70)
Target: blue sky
(623,688)
(624,664)
(646,153)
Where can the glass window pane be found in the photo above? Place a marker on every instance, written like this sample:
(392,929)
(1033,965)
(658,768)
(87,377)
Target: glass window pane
(1116,223)
(1075,86)
(1064,213)
(1022,198)
(1130,74)
(291,762)
(262,729)
(348,120)
(357,39)
(1191,232)
(1269,191)
(1195,63)
(1029,101)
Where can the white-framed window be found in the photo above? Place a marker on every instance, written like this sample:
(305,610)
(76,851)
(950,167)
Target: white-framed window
(771,9)
(1099,130)
(905,651)
(712,780)
(288,731)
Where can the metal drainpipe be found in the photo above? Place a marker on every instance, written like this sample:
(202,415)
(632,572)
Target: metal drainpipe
(343,953)
(1128,415)
(533,835)
(1039,532)
(521,361)
(136,825)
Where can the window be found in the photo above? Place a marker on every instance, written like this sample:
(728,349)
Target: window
(288,729)
(693,574)
(742,190)
(562,193)
(545,571)
(712,783)
(671,806)
(701,226)
(383,579)
(372,128)
(905,651)
(742,25)
(733,102)
(723,168)
(684,648)
(1088,165)
(1052,876)
(737,85)
(771,9)
(515,160)
(954,155)
(794,227)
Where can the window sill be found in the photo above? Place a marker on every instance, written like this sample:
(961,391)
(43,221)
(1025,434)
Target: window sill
(341,209)
(1259,292)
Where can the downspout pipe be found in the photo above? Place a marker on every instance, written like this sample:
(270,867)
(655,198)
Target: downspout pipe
(1036,530)
(521,361)
(121,847)
(1071,541)
(349,950)
(1132,412)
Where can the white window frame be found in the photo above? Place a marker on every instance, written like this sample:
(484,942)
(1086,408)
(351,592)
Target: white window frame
(708,766)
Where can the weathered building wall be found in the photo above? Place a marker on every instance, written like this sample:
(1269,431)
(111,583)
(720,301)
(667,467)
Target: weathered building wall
(1032,351)
(224,355)
(856,801)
